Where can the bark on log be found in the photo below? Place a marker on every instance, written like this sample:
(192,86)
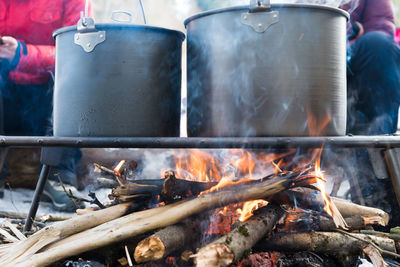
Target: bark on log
(238,242)
(167,240)
(323,224)
(24,249)
(145,221)
(356,222)
(323,242)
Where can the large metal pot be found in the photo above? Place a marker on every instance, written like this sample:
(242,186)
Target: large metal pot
(117,80)
(267,70)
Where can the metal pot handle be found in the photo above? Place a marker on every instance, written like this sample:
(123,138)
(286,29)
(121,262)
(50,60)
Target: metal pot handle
(259,5)
(115,16)
(88,37)
(260,15)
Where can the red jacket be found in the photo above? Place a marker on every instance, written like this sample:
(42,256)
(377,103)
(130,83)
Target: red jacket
(32,22)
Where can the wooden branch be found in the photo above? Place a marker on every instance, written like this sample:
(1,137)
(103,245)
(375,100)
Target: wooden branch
(234,245)
(167,240)
(175,189)
(149,220)
(324,242)
(24,249)
(355,222)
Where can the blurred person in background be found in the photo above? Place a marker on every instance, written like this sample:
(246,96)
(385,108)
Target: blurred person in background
(27,61)
(373,95)
(373,68)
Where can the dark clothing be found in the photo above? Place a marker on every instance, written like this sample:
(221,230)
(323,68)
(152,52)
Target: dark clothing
(374,85)
(27,111)
(374,15)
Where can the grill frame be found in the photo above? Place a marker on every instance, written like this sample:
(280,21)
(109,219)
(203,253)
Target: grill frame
(193,142)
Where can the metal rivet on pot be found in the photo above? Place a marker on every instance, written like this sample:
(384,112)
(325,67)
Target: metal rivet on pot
(88,45)
(101,36)
(77,37)
(259,25)
(245,17)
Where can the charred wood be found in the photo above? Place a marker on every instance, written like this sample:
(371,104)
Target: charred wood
(311,199)
(316,222)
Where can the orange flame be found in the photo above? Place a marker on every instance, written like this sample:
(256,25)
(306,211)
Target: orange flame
(248,207)
(321,181)
(117,169)
(225,182)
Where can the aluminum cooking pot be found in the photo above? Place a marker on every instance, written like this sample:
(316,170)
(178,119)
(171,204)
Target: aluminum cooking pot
(267,70)
(117,80)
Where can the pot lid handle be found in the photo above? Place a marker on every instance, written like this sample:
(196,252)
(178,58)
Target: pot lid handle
(260,16)
(87,36)
(259,5)
(121,16)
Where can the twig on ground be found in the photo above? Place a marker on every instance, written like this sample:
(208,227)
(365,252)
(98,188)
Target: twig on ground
(70,195)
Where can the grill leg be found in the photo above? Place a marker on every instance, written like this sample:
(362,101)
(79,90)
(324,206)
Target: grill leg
(44,173)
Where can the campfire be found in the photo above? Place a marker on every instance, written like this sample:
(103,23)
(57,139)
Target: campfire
(213,208)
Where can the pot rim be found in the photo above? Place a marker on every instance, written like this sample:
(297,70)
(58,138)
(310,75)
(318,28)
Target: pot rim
(237,8)
(108,26)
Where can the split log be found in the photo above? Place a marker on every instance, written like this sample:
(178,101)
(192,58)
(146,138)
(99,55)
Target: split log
(149,220)
(26,248)
(167,240)
(324,242)
(238,242)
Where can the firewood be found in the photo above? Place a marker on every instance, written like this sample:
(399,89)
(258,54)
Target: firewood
(355,222)
(167,240)
(58,230)
(318,223)
(311,199)
(330,243)
(175,189)
(170,188)
(149,220)
(238,242)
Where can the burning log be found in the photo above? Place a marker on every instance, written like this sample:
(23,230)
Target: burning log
(149,220)
(312,199)
(174,189)
(316,222)
(170,188)
(167,240)
(237,243)
(324,242)
(26,248)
